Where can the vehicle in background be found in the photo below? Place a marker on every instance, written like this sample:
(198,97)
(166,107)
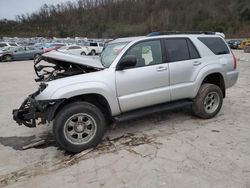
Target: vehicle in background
(7,48)
(52,46)
(39,45)
(234,43)
(247,49)
(95,48)
(20,53)
(244,44)
(6,44)
(75,50)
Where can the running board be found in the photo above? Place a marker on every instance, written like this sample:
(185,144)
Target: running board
(151,110)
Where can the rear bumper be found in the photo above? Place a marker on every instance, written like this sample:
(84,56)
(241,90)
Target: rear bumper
(32,110)
(232,78)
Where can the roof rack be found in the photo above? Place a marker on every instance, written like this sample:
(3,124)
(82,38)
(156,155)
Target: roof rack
(181,32)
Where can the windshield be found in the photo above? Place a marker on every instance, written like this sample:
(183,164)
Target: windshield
(110,52)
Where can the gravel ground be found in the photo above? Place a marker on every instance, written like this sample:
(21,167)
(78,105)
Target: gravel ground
(171,149)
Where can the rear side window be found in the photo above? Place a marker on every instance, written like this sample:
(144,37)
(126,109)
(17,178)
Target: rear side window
(215,44)
(180,49)
(177,50)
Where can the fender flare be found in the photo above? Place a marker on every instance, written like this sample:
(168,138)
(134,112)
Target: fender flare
(206,71)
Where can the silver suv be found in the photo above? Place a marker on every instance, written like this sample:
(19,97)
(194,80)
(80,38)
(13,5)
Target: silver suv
(133,77)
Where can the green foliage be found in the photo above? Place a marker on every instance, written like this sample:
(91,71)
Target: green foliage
(119,18)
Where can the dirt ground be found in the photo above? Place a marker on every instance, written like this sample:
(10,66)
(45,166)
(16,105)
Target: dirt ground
(170,149)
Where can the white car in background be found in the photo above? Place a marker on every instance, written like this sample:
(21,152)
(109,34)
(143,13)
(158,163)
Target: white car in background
(7,44)
(75,50)
(95,48)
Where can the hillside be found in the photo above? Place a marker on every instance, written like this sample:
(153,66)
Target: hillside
(116,18)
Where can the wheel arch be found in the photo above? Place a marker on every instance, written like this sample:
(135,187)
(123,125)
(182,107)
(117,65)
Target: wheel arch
(96,99)
(7,54)
(216,78)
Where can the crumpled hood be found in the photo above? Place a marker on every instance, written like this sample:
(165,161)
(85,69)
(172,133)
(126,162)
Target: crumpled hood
(81,60)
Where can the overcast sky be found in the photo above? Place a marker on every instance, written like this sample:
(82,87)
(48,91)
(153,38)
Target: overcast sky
(10,8)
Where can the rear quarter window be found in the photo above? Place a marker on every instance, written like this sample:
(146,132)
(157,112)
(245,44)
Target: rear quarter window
(93,44)
(215,44)
(194,54)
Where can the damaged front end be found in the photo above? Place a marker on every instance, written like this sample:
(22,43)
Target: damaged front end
(33,110)
(51,66)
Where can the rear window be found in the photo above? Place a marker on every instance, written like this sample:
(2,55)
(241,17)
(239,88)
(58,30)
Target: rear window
(215,44)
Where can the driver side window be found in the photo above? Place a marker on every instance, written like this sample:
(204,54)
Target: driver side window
(147,53)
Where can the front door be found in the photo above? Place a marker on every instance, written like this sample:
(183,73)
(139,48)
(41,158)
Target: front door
(147,83)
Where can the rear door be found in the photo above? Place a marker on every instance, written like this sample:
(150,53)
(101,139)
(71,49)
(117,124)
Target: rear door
(184,65)
(148,82)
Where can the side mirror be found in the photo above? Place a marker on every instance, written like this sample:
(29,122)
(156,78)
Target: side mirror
(127,62)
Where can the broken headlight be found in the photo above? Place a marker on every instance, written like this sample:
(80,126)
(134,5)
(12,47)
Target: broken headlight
(42,87)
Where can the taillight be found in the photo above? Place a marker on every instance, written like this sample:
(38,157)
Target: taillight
(235,60)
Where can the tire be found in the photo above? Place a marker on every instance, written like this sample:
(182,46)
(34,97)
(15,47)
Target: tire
(92,52)
(208,101)
(79,126)
(83,53)
(7,58)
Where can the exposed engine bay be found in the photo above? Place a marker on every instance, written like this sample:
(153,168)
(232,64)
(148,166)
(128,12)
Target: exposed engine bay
(55,65)
(58,69)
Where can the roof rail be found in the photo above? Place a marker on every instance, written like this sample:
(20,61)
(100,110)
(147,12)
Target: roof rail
(181,32)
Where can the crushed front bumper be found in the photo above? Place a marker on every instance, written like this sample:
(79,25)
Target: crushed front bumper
(32,110)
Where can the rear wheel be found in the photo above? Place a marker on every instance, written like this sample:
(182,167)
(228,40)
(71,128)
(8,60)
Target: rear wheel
(208,101)
(79,126)
(7,58)
(93,52)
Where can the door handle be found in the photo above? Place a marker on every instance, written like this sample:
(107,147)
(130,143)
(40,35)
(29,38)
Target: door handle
(196,63)
(159,69)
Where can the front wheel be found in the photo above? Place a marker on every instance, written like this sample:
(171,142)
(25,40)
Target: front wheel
(92,52)
(208,101)
(7,58)
(79,126)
